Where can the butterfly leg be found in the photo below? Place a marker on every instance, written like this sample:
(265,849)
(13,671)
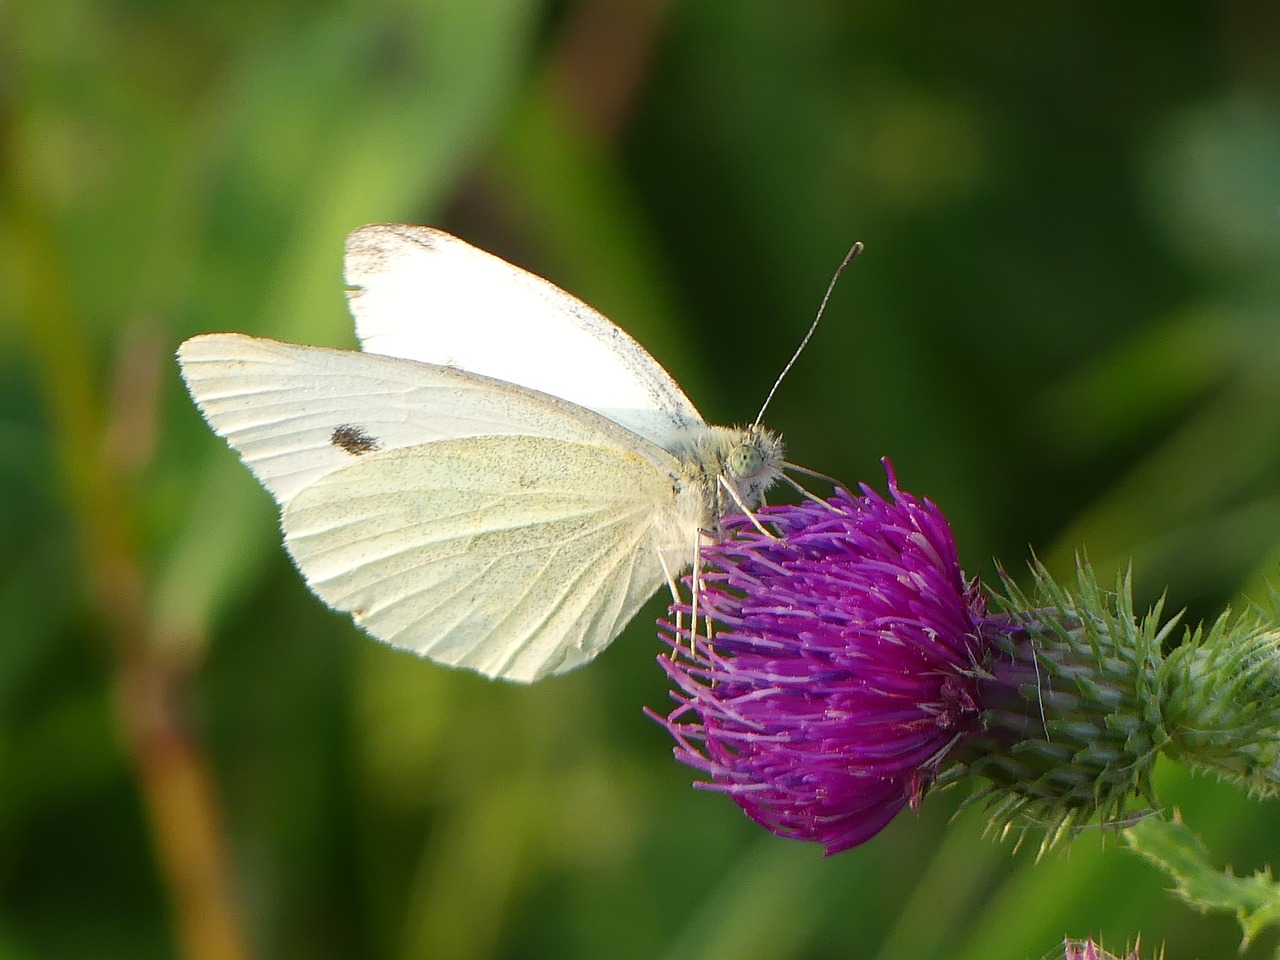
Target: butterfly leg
(733,495)
(802,491)
(674,587)
(702,537)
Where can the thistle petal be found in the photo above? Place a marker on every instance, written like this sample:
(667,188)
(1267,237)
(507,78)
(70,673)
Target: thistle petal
(841,668)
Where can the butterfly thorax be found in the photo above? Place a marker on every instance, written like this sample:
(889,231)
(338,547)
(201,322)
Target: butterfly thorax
(717,460)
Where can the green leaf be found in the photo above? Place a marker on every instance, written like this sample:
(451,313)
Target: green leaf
(1175,849)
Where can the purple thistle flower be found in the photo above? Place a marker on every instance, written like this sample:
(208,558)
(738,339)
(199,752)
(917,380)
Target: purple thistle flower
(1089,949)
(842,667)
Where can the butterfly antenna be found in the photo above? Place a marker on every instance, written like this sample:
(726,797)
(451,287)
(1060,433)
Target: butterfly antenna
(848,259)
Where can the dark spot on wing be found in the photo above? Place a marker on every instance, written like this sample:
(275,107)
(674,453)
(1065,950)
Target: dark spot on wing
(353,440)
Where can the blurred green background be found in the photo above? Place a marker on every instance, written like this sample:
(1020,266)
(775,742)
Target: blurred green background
(1064,331)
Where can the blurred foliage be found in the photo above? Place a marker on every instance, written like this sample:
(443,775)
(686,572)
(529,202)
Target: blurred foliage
(1064,331)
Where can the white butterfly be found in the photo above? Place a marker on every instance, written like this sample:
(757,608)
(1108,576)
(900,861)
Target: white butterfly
(500,480)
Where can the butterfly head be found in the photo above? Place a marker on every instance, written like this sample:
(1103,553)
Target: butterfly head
(726,470)
(753,463)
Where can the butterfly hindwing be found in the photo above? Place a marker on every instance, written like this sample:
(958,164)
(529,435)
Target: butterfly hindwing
(513,556)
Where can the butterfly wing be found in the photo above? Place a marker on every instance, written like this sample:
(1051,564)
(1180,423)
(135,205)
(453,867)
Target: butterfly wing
(516,557)
(424,295)
(480,523)
(296,413)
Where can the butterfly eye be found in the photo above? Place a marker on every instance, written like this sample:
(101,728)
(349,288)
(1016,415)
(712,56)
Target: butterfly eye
(745,460)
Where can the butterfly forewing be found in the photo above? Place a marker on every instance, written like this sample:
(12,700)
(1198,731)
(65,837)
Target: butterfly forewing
(295,413)
(513,556)
(424,295)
